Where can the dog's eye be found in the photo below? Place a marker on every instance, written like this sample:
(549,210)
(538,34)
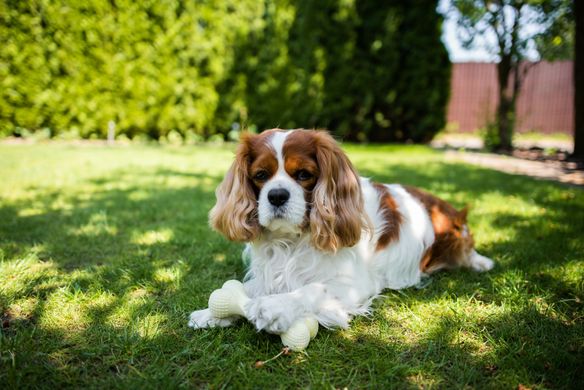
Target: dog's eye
(303,175)
(261,176)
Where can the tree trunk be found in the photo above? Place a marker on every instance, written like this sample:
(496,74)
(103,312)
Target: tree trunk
(506,108)
(579,81)
(505,122)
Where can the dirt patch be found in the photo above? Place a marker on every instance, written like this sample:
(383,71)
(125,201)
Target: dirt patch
(532,162)
(545,158)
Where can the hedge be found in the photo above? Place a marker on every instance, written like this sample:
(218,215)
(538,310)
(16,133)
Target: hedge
(367,70)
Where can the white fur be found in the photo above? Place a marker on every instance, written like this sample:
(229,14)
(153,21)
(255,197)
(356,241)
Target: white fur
(289,217)
(480,263)
(400,262)
(288,278)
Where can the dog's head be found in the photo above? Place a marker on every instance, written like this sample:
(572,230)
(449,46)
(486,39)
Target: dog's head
(290,182)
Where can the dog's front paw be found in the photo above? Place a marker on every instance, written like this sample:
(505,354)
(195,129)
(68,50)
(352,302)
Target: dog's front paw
(272,314)
(203,319)
(481,263)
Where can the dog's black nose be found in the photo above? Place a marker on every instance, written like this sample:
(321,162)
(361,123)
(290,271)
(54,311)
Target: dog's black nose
(278,196)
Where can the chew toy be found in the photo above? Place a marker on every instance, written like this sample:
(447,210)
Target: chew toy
(231,299)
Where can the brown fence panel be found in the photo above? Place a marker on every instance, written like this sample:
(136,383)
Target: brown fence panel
(545,105)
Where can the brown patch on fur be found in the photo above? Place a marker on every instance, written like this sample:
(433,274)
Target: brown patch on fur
(262,158)
(299,154)
(391,215)
(453,243)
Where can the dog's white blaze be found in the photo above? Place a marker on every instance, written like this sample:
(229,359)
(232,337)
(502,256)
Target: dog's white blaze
(293,211)
(277,142)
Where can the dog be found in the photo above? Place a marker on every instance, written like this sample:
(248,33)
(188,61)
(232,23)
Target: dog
(322,240)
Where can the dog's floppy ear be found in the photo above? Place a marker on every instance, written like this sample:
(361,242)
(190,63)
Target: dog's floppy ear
(337,214)
(235,213)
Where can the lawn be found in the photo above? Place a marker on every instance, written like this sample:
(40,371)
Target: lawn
(105,251)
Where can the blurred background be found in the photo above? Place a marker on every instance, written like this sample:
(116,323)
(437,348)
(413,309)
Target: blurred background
(369,71)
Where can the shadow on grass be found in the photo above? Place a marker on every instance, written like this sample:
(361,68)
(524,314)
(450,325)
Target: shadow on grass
(135,245)
(148,250)
(442,356)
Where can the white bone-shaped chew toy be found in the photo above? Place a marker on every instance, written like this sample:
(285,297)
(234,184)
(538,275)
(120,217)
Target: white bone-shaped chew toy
(231,299)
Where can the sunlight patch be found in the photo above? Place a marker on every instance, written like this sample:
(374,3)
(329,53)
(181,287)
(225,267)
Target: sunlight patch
(469,341)
(30,212)
(168,275)
(139,293)
(71,311)
(22,310)
(219,257)
(28,274)
(124,314)
(152,237)
(97,225)
(63,313)
(137,196)
(150,326)
(423,380)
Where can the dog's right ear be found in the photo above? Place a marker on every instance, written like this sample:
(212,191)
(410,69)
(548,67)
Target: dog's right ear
(235,213)
(337,217)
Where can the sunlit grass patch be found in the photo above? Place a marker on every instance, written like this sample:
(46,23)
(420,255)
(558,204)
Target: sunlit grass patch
(152,237)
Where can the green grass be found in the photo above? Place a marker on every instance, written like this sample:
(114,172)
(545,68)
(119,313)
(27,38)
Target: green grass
(105,251)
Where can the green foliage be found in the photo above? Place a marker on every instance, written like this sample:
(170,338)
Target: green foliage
(556,41)
(149,66)
(545,27)
(366,70)
(490,135)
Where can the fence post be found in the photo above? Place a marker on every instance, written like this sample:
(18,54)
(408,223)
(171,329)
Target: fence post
(111,132)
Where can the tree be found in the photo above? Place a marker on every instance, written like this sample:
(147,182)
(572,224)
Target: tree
(579,81)
(510,30)
(366,70)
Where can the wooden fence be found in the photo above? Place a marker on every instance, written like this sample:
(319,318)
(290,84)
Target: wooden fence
(545,105)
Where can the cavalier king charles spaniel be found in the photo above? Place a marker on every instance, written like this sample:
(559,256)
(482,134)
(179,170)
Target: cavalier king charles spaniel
(322,240)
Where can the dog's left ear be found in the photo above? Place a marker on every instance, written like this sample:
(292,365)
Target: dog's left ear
(337,214)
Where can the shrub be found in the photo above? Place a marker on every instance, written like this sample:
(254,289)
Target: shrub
(366,70)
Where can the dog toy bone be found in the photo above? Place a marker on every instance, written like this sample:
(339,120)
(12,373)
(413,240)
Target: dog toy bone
(231,299)
(300,333)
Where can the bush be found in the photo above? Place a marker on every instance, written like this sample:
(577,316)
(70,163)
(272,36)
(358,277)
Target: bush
(366,70)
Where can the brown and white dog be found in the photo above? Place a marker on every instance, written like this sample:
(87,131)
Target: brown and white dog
(322,240)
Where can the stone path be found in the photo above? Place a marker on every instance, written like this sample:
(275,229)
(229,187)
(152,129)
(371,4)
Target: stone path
(548,170)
